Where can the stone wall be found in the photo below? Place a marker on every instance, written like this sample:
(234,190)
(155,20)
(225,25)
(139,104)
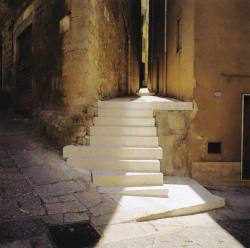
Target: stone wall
(95,53)
(79,54)
(173,129)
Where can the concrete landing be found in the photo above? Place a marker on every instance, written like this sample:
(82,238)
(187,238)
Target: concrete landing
(186,196)
(153,102)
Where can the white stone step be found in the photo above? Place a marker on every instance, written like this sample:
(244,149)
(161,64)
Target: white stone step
(134,141)
(119,112)
(112,152)
(106,178)
(110,164)
(123,131)
(150,191)
(125,104)
(125,121)
(155,103)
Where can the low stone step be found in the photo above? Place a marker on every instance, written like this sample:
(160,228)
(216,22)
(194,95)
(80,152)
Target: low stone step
(125,104)
(152,153)
(110,164)
(125,121)
(123,131)
(154,103)
(150,191)
(120,112)
(133,141)
(106,179)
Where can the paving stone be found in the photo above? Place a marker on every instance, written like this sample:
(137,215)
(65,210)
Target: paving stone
(75,217)
(58,189)
(105,207)
(41,241)
(113,233)
(54,219)
(65,207)
(41,175)
(17,244)
(89,199)
(63,198)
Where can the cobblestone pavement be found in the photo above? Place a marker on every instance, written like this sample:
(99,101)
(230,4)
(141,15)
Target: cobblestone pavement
(38,188)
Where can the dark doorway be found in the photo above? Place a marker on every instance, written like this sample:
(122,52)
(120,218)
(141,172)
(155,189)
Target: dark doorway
(246,138)
(1,63)
(24,76)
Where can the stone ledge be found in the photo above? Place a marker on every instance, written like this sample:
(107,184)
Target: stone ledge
(218,174)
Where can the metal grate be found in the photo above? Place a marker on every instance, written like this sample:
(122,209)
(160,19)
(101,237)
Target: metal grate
(214,147)
(77,235)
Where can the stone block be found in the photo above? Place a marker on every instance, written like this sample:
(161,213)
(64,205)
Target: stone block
(65,207)
(75,217)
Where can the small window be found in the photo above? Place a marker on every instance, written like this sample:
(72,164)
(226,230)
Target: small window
(179,35)
(214,147)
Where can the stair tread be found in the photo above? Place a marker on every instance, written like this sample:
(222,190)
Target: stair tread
(121,173)
(114,147)
(127,188)
(117,159)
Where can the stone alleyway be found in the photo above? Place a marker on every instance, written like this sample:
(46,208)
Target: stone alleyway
(38,188)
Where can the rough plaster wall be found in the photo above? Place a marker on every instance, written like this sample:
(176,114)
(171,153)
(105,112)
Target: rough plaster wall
(173,129)
(180,66)
(222,36)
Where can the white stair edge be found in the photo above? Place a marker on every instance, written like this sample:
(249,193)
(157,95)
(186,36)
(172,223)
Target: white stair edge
(107,164)
(129,141)
(148,191)
(122,131)
(115,152)
(155,105)
(111,178)
(125,121)
(122,112)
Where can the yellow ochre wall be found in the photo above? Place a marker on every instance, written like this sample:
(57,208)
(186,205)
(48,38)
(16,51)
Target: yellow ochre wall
(222,73)
(180,66)
(222,64)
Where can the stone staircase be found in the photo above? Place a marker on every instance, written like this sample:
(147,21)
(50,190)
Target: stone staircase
(124,153)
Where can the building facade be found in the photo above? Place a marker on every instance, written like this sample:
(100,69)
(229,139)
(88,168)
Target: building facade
(58,58)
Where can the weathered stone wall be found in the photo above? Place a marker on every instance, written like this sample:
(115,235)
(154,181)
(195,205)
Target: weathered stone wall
(95,53)
(173,129)
(79,55)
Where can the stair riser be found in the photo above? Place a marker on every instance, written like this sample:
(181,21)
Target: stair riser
(125,112)
(145,193)
(125,122)
(128,180)
(123,131)
(125,141)
(125,105)
(115,165)
(113,153)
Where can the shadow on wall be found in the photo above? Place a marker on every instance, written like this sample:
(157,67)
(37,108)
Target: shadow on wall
(5,100)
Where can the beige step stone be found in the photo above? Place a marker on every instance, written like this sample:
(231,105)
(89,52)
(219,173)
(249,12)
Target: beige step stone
(147,102)
(120,112)
(107,178)
(115,164)
(152,153)
(125,121)
(150,191)
(123,131)
(134,141)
